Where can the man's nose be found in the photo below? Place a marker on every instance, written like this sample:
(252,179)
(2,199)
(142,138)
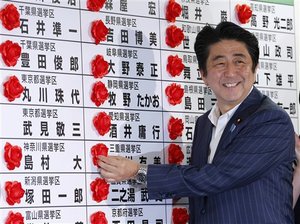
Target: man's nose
(230,69)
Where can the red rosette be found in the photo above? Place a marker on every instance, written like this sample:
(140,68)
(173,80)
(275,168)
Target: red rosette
(175,65)
(10,17)
(12,88)
(12,156)
(102,123)
(175,154)
(97,150)
(175,127)
(174,93)
(174,36)
(99,67)
(243,13)
(173,10)
(10,52)
(14,192)
(99,31)
(100,189)
(98,218)
(180,216)
(14,218)
(99,93)
(94,5)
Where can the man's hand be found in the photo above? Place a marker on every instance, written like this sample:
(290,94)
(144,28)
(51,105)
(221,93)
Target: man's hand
(117,168)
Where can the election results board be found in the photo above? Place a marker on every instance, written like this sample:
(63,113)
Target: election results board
(52,121)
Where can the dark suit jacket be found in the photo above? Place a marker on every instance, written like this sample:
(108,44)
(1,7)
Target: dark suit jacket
(250,178)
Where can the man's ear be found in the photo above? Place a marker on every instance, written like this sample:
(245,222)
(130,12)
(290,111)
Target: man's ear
(255,73)
(203,77)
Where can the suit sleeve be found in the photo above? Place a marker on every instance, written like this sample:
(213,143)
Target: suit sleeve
(264,142)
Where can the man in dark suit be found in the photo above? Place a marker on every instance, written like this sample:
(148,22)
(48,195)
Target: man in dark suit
(243,148)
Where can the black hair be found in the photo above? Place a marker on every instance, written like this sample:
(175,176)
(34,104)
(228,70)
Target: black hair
(224,31)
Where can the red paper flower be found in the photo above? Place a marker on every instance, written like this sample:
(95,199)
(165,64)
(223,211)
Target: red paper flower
(175,65)
(180,216)
(99,93)
(175,154)
(99,31)
(102,123)
(12,156)
(14,218)
(174,36)
(100,189)
(10,17)
(12,88)
(14,192)
(174,93)
(10,52)
(97,150)
(98,218)
(243,13)
(175,127)
(94,5)
(99,67)
(173,11)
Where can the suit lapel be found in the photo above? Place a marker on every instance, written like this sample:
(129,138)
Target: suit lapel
(247,107)
(201,144)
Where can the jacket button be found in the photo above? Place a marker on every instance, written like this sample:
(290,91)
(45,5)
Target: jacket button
(203,210)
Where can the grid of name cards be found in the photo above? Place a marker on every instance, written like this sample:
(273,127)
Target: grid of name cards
(52,120)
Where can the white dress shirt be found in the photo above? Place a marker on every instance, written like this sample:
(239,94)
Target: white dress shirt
(219,121)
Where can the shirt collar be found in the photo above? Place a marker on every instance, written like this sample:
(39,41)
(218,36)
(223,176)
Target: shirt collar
(215,113)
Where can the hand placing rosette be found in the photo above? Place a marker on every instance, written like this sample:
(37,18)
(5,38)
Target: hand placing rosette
(97,150)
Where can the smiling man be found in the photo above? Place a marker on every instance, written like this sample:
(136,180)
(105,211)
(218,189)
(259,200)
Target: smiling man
(243,148)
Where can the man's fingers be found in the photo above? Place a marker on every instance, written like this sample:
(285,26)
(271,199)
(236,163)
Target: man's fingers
(110,160)
(108,167)
(106,174)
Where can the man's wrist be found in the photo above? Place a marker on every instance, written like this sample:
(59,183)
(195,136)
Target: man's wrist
(141,175)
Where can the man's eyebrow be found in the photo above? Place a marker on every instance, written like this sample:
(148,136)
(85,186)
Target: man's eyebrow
(222,56)
(239,55)
(218,57)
